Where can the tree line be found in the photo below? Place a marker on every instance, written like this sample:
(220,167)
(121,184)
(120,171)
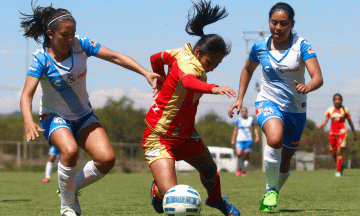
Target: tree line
(125,124)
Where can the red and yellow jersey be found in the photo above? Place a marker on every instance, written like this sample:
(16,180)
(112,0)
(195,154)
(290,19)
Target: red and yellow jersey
(174,109)
(338,117)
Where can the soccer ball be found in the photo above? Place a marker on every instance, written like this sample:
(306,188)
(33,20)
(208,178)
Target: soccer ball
(182,200)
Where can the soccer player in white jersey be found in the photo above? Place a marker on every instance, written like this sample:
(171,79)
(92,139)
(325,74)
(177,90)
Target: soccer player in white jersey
(53,155)
(66,117)
(243,135)
(281,102)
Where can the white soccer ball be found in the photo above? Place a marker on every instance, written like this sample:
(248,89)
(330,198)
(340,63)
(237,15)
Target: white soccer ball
(182,200)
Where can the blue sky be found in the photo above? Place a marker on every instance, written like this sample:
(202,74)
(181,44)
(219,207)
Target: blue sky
(141,28)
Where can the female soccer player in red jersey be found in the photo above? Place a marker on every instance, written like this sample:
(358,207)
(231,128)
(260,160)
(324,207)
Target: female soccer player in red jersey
(66,117)
(338,132)
(170,133)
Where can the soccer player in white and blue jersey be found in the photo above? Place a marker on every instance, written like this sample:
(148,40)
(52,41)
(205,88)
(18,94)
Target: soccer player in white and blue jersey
(54,154)
(243,146)
(281,103)
(66,117)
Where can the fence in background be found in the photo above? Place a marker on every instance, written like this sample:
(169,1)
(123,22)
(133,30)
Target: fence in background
(15,156)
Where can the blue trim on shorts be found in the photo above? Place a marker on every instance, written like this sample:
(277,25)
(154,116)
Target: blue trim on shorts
(293,123)
(53,122)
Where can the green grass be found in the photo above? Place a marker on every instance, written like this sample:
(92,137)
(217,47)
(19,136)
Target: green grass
(305,193)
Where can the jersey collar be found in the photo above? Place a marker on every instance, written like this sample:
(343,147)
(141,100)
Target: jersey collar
(287,51)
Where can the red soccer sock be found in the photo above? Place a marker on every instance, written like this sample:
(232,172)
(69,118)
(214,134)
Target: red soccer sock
(213,189)
(339,162)
(155,193)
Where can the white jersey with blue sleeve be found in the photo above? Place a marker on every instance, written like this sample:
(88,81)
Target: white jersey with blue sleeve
(64,84)
(280,68)
(244,128)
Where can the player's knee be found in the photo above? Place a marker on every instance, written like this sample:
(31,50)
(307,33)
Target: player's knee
(70,152)
(275,141)
(107,163)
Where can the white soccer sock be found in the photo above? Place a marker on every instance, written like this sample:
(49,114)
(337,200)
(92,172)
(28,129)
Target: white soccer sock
(88,175)
(66,180)
(239,163)
(48,169)
(283,177)
(272,159)
(246,165)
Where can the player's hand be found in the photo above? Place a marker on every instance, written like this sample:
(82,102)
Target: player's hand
(224,90)
(237,105)
(319,127)
(32,131)
(301,88)
(151,76)
(232,142)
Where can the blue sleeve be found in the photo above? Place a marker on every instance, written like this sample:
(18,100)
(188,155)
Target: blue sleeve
(253,54)
(253,122)
(36,69)
(307,51)
(90,47)
(237,123)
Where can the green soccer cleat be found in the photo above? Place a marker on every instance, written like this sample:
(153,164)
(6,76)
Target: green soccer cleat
(264,207)
(270,198)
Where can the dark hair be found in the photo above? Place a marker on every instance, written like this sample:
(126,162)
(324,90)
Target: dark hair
(282,6)
(337,94)
(36,24)
(200,15)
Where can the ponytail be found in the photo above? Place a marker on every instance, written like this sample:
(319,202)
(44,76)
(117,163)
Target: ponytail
(43,18)
(200,15)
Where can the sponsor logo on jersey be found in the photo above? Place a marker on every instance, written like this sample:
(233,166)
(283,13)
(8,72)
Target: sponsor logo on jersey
(155,107)
(280,70)
(71,78)
(267,69)
(57,83)
(92,43)
(310,50)
(32,69)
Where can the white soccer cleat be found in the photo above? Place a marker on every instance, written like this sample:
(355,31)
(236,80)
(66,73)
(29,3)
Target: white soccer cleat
(67,212)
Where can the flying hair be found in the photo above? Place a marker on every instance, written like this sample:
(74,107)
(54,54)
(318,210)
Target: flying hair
(202,14)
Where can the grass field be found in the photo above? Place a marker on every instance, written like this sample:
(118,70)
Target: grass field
(305,193)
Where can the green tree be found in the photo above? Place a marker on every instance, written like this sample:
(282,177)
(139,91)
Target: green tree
(214,130)
(121,121)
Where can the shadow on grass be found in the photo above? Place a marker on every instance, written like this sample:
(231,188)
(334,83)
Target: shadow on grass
(310,210)
(16,200)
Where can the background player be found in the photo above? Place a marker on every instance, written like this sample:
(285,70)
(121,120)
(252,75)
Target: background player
(281,103)
(66,117)
(338,132)
(170,133)
(243,134)
(53,155)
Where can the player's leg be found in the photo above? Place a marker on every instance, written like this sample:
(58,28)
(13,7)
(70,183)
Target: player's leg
(64,141)
(211,181)
(159,156)
(284,174)
(239,162)
(246,163)
(274,131)
(49,166)
(58,133)
(341,144)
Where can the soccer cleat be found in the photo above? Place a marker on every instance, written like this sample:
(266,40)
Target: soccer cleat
(155,203)
(76,204)
(264,207)
(226,208)
(338,174)
(270,198)
(45,180)
(67,212)
(243,174)
(238,173)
